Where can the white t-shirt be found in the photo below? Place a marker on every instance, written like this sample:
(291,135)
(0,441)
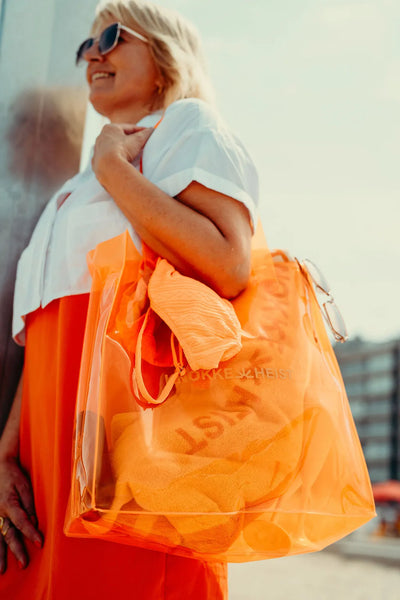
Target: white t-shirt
(190,144)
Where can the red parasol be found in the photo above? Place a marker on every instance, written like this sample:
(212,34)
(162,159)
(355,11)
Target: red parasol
(387,491)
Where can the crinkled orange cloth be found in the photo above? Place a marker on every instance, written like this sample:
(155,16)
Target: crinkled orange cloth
(68,568)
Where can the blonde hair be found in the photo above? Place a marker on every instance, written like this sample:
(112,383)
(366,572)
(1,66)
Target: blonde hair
(174,44)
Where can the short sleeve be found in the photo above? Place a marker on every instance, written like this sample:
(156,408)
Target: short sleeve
(192,144)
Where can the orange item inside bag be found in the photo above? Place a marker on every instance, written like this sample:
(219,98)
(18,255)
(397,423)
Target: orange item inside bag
(205,324)
(209,428)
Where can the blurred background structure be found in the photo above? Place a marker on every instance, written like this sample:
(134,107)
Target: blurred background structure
(42,115)
(371,373)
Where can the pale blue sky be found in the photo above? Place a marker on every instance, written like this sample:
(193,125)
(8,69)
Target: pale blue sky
(313,88)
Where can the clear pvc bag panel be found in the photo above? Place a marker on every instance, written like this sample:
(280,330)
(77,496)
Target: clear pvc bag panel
(255,458)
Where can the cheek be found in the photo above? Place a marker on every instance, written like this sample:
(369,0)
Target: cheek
(142,64)
(134,70)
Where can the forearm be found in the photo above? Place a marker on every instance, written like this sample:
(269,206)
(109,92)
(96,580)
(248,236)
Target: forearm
(9,441)
(191,241)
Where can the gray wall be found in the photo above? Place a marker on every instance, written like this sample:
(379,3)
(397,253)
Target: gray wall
(42,111)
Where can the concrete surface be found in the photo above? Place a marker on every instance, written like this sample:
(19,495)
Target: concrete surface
(382,550)
(324,575)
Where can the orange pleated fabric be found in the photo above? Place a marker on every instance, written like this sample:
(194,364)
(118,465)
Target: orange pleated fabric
(80,569)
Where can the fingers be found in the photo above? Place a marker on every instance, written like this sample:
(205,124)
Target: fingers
(127,128)
(136,142)
(25,493)
(18,514)
(130,129)
(12,529)
(22,522)
(144,133)
(18,505)
(3,555)
(13,541)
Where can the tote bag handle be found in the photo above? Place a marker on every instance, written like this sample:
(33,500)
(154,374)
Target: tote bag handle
(179,368)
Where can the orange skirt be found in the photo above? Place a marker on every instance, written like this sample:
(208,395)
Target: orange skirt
(68,568)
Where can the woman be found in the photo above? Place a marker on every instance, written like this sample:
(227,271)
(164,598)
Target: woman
(188,190)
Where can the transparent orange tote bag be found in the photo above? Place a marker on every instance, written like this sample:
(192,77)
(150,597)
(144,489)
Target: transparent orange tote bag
(208,428)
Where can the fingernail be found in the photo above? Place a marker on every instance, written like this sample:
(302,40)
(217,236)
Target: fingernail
(38,543)
(21,565)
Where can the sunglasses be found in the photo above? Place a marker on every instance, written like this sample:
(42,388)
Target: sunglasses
(107,40)
(330,310)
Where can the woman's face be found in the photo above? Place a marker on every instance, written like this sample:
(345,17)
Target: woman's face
(123,82)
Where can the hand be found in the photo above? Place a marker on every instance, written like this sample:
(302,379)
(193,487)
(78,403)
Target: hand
(124,142)
(18,511)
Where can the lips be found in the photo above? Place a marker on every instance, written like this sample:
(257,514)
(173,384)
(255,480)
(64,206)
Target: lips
(100,75)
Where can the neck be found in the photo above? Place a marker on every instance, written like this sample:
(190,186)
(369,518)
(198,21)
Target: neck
(131,113)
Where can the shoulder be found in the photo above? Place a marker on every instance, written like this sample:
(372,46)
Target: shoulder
(191,114)
(192,131)
(195,123)
(192,143)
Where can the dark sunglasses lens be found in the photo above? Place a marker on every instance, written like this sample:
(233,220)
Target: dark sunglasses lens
(107,41)
(83,48)
(108,38)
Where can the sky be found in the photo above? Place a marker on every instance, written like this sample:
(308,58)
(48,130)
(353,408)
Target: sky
(312,87)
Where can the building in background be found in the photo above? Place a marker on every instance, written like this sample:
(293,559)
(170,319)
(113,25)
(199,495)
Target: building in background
(371,373)
(42,115)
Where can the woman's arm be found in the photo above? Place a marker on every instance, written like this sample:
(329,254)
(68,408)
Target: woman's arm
(16,499)
(9,440)
(203,233)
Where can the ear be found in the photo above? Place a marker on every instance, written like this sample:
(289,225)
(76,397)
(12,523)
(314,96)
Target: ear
(160,85)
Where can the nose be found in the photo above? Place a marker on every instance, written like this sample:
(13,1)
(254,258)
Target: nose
(92,53)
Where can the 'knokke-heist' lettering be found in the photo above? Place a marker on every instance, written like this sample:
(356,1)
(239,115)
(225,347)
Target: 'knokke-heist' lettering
(240,374)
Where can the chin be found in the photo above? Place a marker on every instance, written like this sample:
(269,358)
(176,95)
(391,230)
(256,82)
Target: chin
(100,106)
